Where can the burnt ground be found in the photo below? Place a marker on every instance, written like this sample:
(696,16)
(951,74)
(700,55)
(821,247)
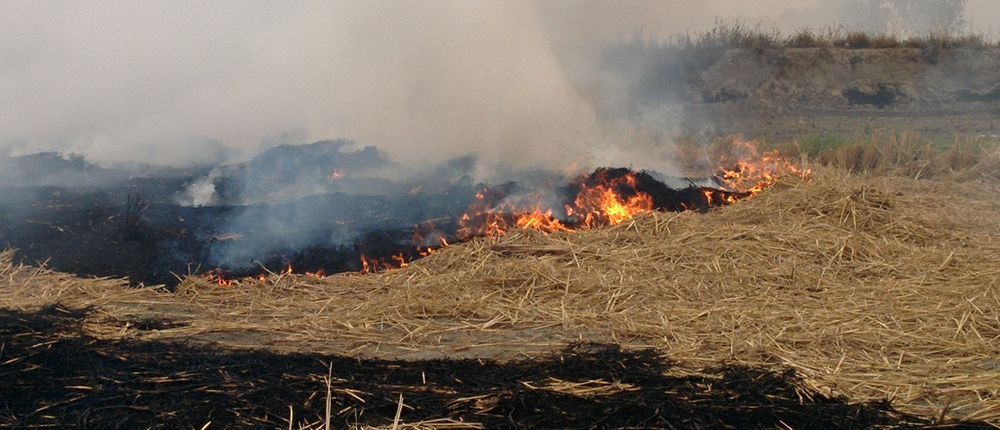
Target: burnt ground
(98,232)
(132,223)
(134,228)
(53,376)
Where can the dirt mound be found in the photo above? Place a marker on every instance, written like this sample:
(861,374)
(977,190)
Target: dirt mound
(788,92)
(831,77)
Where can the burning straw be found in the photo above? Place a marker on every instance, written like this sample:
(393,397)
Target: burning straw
(874,287)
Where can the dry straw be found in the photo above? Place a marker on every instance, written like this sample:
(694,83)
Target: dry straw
(870,286)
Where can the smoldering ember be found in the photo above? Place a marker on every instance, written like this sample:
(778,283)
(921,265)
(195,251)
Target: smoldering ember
(452,216)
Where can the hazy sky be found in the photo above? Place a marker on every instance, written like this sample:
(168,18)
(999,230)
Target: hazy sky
(156,81)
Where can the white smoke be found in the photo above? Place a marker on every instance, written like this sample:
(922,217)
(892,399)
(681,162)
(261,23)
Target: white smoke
(184,82)
(201,192)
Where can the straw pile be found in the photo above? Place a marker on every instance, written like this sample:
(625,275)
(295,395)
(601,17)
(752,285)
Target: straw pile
(872,287)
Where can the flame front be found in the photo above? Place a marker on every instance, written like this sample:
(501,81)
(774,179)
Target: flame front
(749,171)
(601,205)
(606,197)
(599,201)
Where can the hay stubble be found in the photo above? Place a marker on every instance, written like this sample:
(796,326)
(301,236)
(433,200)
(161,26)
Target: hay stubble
(870,286)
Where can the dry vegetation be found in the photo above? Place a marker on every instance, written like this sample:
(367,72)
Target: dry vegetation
(868,279)
(904,154)
(739,36)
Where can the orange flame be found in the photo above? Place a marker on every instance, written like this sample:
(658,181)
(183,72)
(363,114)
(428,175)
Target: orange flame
(218,277)
(364,265)
(595,205)
(538,220)
(611,200)
(400,260)
(603,198)
(751,172)
(601,205)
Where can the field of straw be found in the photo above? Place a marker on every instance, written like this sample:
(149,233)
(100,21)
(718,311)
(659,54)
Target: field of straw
(870,282)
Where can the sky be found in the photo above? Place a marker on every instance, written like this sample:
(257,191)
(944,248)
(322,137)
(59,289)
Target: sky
(193,82)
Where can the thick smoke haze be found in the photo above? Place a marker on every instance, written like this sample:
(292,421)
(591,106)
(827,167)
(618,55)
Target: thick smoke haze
(186,82)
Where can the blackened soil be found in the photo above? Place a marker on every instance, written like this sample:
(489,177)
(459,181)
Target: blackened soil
(136,230)
(664,198)
(53,376)
(103,232)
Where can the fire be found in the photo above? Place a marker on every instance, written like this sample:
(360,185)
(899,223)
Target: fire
(600,199)
(220,280)
(602,205)
(751,172)
(483,217)
(374,265)
(539,220)
(612,196)
(365,269)
(717,198)
(337,174)
(605,197)
(400,260)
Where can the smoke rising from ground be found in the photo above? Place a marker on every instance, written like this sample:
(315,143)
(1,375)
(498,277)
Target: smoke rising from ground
(187,82)
(152,82)
(451,92)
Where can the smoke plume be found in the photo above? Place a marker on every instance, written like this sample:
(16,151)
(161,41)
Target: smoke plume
(185,82)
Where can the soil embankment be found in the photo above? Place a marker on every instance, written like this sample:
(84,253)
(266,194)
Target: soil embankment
(790,92)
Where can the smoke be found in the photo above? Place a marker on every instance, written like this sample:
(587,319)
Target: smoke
(185,82)
(903,17)
(450,92)
(155,82)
